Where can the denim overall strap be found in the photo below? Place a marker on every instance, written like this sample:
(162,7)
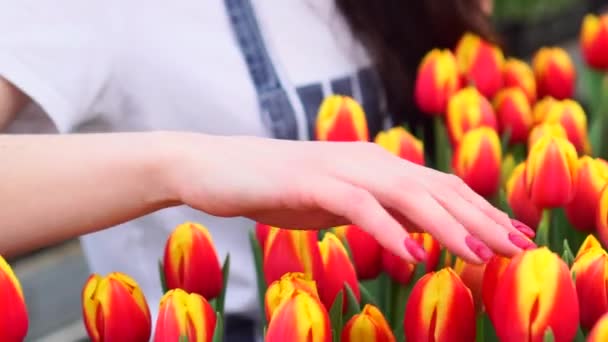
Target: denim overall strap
(277,111)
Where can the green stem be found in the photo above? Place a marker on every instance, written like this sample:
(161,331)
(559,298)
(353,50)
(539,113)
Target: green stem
(442,149)
(542,235)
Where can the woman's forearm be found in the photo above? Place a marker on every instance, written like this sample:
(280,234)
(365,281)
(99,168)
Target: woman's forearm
(61,186)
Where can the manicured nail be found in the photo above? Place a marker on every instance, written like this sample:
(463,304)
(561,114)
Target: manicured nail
(521,241)
(479,248)
(522,227)
(415,249)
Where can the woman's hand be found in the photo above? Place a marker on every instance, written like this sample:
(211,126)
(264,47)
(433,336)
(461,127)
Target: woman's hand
(313,185)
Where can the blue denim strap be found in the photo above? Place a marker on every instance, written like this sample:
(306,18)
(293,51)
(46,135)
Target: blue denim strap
(277,111)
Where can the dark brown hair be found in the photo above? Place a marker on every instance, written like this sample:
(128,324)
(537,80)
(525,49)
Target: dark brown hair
(398,33)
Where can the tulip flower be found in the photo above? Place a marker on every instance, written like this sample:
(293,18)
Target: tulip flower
(468,109)
(472,276)
(436,82)
(514,114)
(367,326)
(261,233)
(301,318)
(440,308)
(341,118)
(366,251)
(551,172)
(535,293)
(191,262)
(591,272)
(552,129)
(114,309)
(592,177)
(338,271)
(518,74)
(477,160)
(492,275)
(184,315)
(285,288)
(599,333)
(292,251)
(541,109)
(13,317)
(594,41)
(402,271)
(589,243)
(402,143)
(555,73)
(480,63)
(519,200)
(571,116)
(601,220)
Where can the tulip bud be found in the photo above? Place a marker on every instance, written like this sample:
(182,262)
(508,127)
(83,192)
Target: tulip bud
(480,63)
(552,129)
(366,251)
(541,109)
(440,308)
(591,272)
(184,315)
(592,177)
(301,318)
(402,143)
(594,41)
(599,333)
(571,116)
(13,317)
(518,74)
(519,200)
(589,243)
(514,114)
(491,278)
(285,288)
(341,118)
(367,326)
(555,73)
(402,271)
(472,276)
(191,262)
(477,160)
(436,82)
(101,296)
(467,110)
(551,172)
(338,271)
(261,233)
(292,251)
(535,294)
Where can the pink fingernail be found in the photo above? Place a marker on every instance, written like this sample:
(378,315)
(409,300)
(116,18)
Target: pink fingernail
(522,227)
(479,248)
(415,249)
(521,241)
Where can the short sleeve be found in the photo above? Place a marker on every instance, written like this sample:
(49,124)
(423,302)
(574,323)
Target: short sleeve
(59,53)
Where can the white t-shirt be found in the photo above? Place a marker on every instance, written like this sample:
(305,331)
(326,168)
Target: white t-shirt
(116,65)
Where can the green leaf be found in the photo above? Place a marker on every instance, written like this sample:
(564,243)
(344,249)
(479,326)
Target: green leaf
(218,333)
(221,299)
(442,145)
(580,335)
(352,307)
(161,272)
(567,254)
(335,316)
(399,302)
(383,292)
(549,336)
(367,297)
(542,235)
(485,329)
(183,338)
(259,272)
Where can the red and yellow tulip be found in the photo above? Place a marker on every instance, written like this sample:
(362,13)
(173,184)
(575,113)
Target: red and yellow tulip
(440,308)
(571,116)
(13,318)
(436,82)
(519,200)
(301,318)
(492,274)
(601,220)
(472,276)
(594,41)
(590,243)
(555,73)
(341,118)
(468,109)
(591,279)
(519,74)
(514,114)
(285,288)
(292,251)
(477,160)
(184,315)
(480,62)
(552,129)
(402,143)
(541,109)
(551,172)
(599,333)
(366,251)
(114,309)
(402,271)
(592,177)
(261,233)
(338,271)
(367,326)
(535,293)
(191,262)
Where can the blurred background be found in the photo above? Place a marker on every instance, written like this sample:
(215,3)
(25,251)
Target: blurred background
(52,278)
